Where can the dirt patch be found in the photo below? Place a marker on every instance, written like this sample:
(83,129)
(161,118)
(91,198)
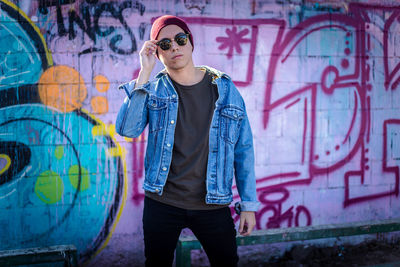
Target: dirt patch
(363,254)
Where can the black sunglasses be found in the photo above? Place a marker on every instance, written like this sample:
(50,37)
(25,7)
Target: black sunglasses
(181,39)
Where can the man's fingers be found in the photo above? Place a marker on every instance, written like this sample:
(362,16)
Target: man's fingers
(149,47)
(250,228)
(245,230)
(241,225)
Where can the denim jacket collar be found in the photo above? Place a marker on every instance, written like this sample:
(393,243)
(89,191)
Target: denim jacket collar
(215,73)
(216,79)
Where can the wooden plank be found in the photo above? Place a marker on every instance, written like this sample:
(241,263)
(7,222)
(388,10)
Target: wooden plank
(183,256)
(65,253)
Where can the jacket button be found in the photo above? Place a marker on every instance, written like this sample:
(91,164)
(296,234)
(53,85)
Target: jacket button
(164,168)
(173,96)
(172,122)
(157,190)
(168,145)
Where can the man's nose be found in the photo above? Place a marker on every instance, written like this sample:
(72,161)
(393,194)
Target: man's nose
(174,45)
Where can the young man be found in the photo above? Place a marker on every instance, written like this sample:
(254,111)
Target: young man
(199,139)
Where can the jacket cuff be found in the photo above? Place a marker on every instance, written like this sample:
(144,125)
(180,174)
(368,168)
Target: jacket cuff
(246,206)
(129,87)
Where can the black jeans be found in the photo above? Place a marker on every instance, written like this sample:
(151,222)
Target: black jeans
(162,225)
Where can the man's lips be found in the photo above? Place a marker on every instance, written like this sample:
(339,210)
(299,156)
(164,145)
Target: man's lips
(177,56)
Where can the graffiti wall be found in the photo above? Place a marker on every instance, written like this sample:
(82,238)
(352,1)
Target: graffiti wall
(321,82)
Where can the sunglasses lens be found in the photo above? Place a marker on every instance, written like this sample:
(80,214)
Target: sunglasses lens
(181,39)
(165,44)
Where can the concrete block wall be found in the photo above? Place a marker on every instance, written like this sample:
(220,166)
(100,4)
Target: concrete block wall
(320,81)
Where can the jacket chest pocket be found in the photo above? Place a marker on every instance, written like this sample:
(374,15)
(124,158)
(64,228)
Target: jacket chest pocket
(230,120)
(157,111)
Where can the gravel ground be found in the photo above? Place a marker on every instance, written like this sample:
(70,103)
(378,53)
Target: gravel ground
(364,254)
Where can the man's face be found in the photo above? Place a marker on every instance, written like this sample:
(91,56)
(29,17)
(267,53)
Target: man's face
(177,57)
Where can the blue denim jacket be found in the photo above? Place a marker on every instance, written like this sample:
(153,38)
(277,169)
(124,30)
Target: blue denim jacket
(231,152)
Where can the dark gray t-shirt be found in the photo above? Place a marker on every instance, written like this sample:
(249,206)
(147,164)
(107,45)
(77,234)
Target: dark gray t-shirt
(186,183)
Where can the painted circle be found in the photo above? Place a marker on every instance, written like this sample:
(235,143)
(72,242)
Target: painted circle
(73,175)
(63,88)
(49,187)
(99,104)
(5,163)
(59,152)
(345,63)
(102,83)
(281,193)
(52,129)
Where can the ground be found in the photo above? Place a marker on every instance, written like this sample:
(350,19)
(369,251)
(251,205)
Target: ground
(365,254)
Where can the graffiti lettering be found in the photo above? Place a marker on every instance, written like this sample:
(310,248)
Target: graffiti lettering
(93,11)
(275,206)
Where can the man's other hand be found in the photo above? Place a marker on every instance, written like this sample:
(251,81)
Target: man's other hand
(247,222)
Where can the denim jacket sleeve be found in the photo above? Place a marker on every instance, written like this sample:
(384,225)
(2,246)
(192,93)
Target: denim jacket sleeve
(244,168)
(132,116)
